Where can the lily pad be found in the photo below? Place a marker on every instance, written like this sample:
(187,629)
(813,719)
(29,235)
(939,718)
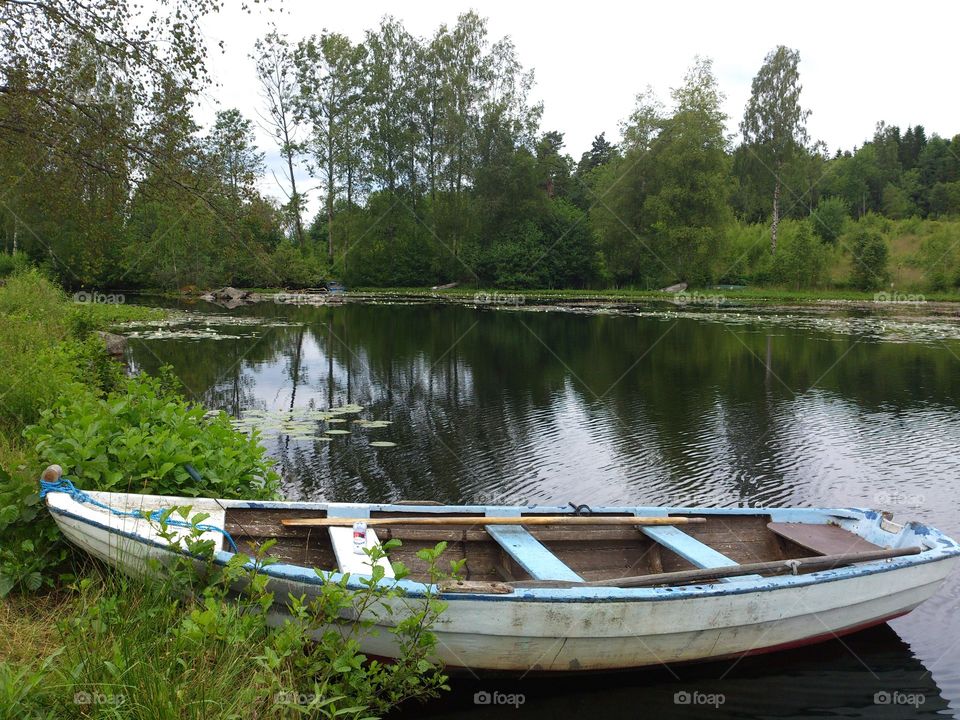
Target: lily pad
(338,432)
(346,409)
(336,420)
(383,443)
(373,423)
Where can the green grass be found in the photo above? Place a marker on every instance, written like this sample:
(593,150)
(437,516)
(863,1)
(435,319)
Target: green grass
(177,645)
(46,344)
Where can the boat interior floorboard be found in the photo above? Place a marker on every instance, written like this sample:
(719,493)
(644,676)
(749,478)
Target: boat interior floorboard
(553,552)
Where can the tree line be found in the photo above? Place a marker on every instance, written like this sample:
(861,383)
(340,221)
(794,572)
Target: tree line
(429,163)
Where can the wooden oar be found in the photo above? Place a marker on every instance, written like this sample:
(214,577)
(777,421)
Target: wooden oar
(481,520)
(817,562)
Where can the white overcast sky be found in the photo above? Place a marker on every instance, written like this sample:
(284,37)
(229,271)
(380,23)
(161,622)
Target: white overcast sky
(860,61)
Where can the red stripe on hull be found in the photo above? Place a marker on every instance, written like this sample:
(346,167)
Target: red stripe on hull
(824,637)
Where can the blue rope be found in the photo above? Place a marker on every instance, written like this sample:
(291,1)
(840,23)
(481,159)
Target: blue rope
(65,486)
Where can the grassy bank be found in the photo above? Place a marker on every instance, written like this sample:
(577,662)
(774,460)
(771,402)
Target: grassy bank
(82,641)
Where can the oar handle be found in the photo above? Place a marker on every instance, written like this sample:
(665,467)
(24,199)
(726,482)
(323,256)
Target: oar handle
(492,520)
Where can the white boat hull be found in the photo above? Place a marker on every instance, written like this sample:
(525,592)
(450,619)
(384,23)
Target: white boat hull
(578,636)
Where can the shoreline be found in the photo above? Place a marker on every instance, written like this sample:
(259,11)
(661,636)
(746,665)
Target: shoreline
(761,301)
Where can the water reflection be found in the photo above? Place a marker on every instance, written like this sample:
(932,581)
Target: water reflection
(869,675)
(500,406)
(550,406)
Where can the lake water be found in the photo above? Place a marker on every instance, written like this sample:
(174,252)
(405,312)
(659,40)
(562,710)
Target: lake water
(642,406)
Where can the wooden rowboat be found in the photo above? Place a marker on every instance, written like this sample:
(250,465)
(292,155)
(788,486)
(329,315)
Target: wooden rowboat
(548,590)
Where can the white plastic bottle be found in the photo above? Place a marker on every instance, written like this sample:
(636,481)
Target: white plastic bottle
(359,537)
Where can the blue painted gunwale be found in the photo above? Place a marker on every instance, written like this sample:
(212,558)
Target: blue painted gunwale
(939,547)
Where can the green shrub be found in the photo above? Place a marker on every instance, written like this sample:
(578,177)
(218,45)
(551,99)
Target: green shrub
(937,257)
(746,255)
(801,259)
(13,264)
(139,438)
(293,268)
(829,218)
(31,545)
(870,257)
(34,370)
(136,438)
(181,644)
(30,295)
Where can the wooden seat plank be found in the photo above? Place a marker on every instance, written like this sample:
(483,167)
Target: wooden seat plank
(692,550)
(823,539)
(530,554)
(689,548)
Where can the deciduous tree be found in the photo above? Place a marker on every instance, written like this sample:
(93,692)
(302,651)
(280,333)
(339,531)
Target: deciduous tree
(774,124)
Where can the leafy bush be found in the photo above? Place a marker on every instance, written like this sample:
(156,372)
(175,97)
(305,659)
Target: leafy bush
(13,264)
(130,642)
(829,218)
(108,432)
(945,199)
(745,254)
(518,260)
(33,372)
(30,295)
(801,259)
(138,439)
(870,256)
(45,346)
(32,545)
(293,268)
(938,258)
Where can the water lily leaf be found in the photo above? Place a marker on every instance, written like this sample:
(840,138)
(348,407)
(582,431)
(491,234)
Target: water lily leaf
(338,432)
(382,443)
(344,409)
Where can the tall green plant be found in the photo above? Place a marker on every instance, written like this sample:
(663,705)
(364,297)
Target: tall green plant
(187,642)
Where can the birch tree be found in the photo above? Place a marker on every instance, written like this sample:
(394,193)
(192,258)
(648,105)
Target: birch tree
(329,74)
(278,84)
(774,124)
